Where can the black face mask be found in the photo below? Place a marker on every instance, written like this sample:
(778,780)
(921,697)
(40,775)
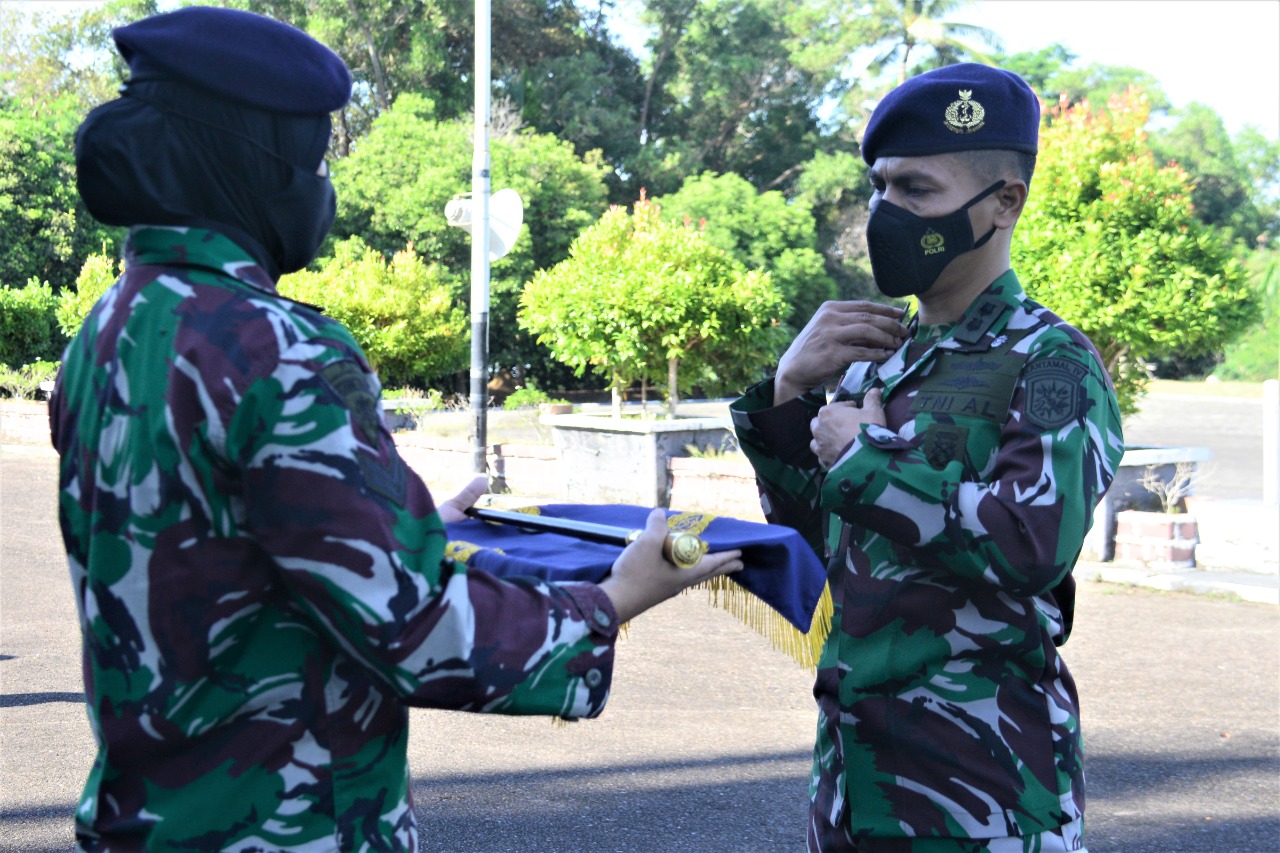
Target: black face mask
(909,252)
(170,154)
(299,218)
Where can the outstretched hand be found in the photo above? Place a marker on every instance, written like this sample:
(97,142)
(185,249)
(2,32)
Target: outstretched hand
(642,577)
(455,508)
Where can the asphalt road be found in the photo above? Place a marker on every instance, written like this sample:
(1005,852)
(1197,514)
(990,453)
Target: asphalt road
(705,744)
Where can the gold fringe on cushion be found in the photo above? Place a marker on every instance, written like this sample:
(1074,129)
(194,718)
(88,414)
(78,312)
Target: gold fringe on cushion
(805,648)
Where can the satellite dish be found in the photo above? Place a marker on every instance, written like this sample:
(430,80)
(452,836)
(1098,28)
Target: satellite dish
(506,215)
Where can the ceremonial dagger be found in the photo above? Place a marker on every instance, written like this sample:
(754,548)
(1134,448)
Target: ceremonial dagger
(684,549)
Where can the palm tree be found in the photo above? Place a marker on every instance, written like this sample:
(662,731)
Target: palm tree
(902,26)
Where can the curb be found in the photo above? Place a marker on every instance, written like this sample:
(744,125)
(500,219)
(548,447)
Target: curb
(1253,587)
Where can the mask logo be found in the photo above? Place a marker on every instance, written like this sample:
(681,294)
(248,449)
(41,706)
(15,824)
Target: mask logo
(894,233)
(965,115)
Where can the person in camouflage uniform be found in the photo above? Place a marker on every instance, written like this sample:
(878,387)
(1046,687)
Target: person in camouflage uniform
(950,481)
(260,579)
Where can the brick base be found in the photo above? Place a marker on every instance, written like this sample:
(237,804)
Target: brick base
(1156,537)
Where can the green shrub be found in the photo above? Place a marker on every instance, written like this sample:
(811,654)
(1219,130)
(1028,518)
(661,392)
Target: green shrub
(24,382)
(1255,355)
(527,397)
(413,404)
(399,311)
(98,273)
(28,328)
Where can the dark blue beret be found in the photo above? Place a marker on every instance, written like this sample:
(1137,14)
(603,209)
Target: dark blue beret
(965,107)
(241,56)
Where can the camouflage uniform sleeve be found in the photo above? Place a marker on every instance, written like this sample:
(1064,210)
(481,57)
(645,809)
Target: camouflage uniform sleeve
(360,547)
(1016,520)
(775,440)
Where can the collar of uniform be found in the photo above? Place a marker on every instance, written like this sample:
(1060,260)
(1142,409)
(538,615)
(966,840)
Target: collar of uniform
(166,245)
(977,330)
(987,316)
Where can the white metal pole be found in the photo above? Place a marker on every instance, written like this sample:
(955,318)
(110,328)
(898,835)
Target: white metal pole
(1271,442)
(480,243)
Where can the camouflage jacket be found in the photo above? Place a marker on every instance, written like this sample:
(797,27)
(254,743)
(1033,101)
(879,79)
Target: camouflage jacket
(944,708)
(260,578)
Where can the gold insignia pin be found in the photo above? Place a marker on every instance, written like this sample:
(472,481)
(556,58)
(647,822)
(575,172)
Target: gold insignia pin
(965,115)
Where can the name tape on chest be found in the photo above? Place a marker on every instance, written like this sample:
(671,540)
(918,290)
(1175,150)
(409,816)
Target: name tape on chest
(975,385)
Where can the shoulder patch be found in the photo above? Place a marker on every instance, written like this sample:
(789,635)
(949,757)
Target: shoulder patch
(383,471)
(1055,393)
(358,391)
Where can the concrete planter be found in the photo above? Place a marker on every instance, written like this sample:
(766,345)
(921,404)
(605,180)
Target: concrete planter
(715,486)
(625,460)
(1156,537)
(24,422)
(1127,492)
(444,463)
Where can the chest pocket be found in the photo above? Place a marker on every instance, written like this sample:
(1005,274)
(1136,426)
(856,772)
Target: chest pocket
(965,400)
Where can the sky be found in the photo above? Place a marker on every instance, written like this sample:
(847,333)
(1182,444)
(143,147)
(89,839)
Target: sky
(1223,53)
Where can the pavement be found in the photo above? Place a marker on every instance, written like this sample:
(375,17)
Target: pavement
(705,744)
(1239,550)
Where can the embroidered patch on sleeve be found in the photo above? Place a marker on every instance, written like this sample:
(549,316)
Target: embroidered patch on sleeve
(358,392)
(383,471)
(1055,392)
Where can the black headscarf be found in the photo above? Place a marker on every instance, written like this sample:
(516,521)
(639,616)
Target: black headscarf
(169,153)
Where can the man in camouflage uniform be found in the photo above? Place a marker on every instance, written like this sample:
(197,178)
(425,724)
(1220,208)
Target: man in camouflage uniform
(260,579)
(950,481)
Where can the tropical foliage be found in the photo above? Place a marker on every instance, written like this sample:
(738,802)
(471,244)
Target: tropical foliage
(740,115)
(400,311)
(640,298)
(1110,240)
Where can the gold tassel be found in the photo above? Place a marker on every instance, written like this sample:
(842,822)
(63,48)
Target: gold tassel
(805,648)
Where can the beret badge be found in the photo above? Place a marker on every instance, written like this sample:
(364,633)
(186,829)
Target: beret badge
(965,115)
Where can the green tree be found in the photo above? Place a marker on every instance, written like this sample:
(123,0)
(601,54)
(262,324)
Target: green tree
(393,187)
(638,297)
(862,50)
(74,303)
(45,231)
(28,329)
(1111,241)
(1052,72)
(835,186)
(1259,156)
(49,53)
(427,47)
(901,28)
(401,311)
(1255,355)
(1224,193)
(762,231)
(724,93)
